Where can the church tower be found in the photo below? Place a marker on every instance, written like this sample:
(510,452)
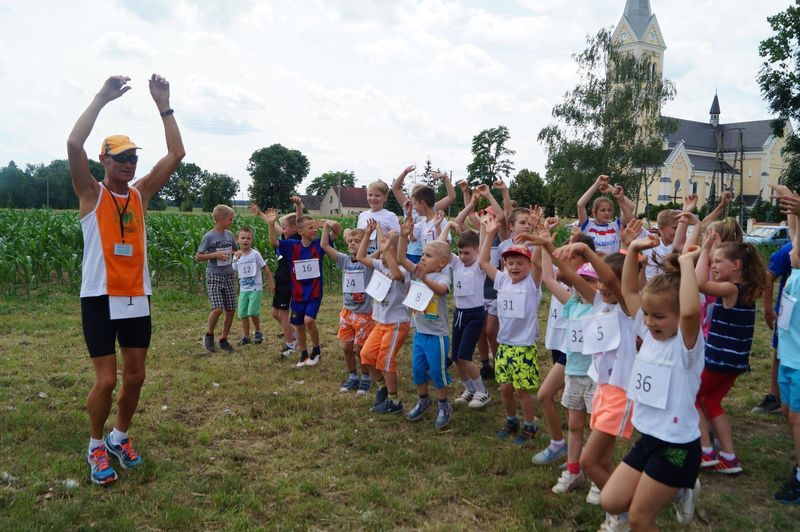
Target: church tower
(638,32)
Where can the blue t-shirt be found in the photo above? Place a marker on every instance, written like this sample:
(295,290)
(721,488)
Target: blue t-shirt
(789,338)
(577,363)
(730,336)
(294,251)
(780,265)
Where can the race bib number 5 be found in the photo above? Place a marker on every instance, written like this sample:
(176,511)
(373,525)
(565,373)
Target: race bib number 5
(601,334)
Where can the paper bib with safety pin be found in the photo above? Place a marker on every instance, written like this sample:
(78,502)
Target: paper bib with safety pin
(353,282)
(247,269)
(601,333)
(649,382)
(125,307)
(463,284)
(785,313)
(378,286)
(419,295)
(511,304)
(575,334)
(306,269)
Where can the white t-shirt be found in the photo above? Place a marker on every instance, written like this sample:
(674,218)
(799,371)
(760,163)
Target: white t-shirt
(655,258)
(678,421)
(517,331)
(425,231)
(555,336)
(468,283)
(614,365)
(391,309)
(248,267)
(606,237)
(386,219)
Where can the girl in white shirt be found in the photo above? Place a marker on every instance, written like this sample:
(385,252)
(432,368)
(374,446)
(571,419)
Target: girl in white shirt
(663,466)
(377,194)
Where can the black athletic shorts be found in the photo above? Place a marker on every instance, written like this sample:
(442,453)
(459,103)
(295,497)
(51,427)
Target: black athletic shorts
(559,357)
(282,297)
(101,332)
(674,464)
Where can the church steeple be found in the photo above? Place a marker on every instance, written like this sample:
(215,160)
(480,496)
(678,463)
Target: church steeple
(638,14)
(638,32)
(714,112)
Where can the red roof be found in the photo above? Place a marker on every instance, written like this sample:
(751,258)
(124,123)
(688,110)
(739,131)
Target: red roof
(352,196)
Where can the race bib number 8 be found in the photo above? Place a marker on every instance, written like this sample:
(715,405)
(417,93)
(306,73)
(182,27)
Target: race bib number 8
(511,304)
(419,295)
(649,383)
(378,286)
(353,282)
(306,269)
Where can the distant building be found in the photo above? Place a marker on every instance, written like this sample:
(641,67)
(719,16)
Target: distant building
(311,204)
(344,201)
(699,157)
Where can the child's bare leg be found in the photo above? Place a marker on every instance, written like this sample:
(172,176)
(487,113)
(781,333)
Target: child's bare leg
(794,430)
(722,428)
(509,403)
(528,406)
(462,371)
(596,458)
(391,381)
(213,317)
(246,327)
(226,324)
(492,328)
(649,499)
(576,420)
(442,393)
(483,344)
(301,337)
(349,356)
(546,396)
(705,436)
(256,322)
(617,494)
(313,331)
(422,389)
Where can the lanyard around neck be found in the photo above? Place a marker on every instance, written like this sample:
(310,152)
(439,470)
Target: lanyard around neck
(120,212)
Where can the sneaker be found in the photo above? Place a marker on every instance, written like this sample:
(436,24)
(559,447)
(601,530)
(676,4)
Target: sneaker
(124,452)
(511,427)
(258,337)
(790,492)
(226,346)
(287,351)
(567,482)
(313,360)
(768,405)
(208,343)
(101,471)
(388,407)
(363,386)
(684,503)
(381,395)
(728,467)
(709,459)
(244,341)
(479,400)
(525,435)
(443,417)
(615,523)
(415,414)
(548,455)
(487,373)
(350,384)
(593,497)
(464,399)
(302,362)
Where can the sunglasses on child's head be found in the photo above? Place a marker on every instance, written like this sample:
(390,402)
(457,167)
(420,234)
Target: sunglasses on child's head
(121,158)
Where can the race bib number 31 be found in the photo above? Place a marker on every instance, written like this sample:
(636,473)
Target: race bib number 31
(511,304)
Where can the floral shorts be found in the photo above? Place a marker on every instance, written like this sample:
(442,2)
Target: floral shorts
(518,366)
(354,327)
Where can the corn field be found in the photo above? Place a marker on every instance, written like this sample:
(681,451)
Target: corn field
(42,250)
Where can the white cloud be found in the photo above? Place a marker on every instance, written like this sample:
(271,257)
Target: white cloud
(115,45)
(467,59)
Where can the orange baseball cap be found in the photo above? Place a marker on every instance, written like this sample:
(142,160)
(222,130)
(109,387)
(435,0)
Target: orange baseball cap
(116,144)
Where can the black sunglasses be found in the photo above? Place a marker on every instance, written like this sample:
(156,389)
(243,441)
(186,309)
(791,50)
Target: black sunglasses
(121,158)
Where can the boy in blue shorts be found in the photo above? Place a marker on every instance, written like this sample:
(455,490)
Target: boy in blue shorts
(249,265)
(305,262)
(431,340)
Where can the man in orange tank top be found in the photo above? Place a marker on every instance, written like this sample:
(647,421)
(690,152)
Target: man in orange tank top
(115,289)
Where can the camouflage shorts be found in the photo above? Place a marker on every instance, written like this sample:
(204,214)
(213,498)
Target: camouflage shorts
(517,365)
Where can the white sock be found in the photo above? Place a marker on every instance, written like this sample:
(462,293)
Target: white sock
(797,474)
(117,436)
(469,385)
(557,445)
(728,456)
(479,386)
(708,450)
(94,444)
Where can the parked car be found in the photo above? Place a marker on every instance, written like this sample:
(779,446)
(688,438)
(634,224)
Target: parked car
(773,235)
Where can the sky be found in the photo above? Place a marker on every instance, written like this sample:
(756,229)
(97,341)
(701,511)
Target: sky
(368,86)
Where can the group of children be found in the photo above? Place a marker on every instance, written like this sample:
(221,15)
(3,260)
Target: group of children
(646,331)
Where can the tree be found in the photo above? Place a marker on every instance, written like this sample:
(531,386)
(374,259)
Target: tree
(529,189)
(276,172)
(610,123)
(320,185)
(427,174)
(183,186)
(16,187)
(779,79)
(53,185)
(491,158)
(217,189)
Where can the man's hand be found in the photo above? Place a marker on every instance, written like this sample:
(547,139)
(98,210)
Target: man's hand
(113,88)
(159,90)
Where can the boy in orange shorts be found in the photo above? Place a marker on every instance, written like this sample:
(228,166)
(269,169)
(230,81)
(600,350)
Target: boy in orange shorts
(355,319)
(388,289)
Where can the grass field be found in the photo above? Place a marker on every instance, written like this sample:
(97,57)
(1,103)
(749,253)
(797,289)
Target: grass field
(247,441)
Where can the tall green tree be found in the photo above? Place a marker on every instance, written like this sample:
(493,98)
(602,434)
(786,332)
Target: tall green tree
(320,185)
(217,189)
(528,188)
(610,123)
(491,158)
(16,187)
(53,185)
(183,186)
(276,173)
(779,79)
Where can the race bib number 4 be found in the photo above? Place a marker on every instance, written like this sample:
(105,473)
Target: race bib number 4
(353,282)
(378,286)
(306,269)
(463,284)
(419,295)
(511,304)
(649,383)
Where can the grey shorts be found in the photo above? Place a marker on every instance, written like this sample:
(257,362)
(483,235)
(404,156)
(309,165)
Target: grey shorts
(578,393)
(491,306)
(221,292)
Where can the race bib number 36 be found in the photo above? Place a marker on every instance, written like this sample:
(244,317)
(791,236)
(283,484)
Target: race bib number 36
(511,304)
(306,269)
(649,383)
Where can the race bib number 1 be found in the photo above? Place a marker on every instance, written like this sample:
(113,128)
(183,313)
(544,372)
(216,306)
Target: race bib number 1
(419,295)
(511,304)
(306,269)
(378,286)
(124,307)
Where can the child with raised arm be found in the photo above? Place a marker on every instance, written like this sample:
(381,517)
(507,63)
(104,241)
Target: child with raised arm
(602,227)
(216,248)
(516,361)
(663,466)
(738,278)
(305,264)
(249,265)
(355,319)
(377,194)
(428,296)
(388,289)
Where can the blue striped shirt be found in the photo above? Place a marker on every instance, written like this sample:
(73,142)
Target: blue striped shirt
(730,337)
